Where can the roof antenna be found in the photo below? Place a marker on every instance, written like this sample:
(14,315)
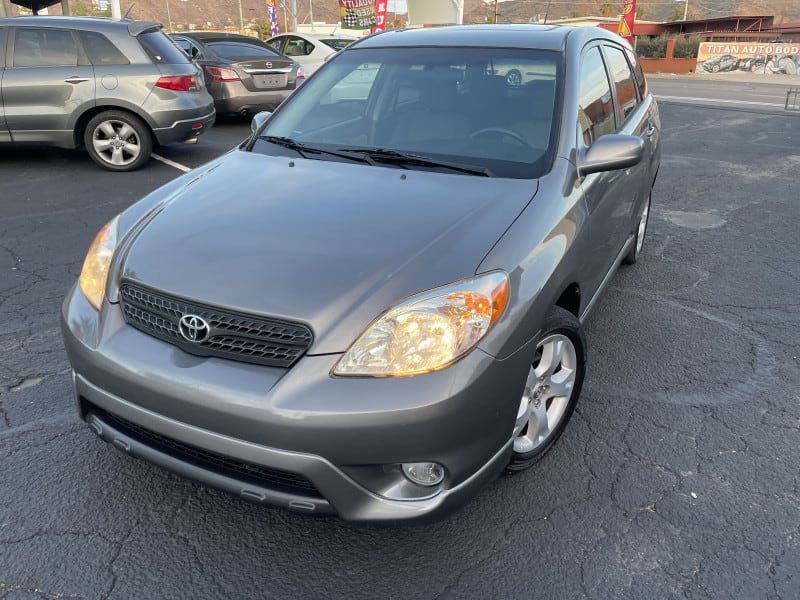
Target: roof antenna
(127,12)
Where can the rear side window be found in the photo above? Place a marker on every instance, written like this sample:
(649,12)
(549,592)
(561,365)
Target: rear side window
(161,49)
(595,105)
(233,50)
(100,50)
(297,47)
(45,48)
(622,77)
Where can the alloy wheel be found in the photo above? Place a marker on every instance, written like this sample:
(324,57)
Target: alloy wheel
(547,392)
(116,142)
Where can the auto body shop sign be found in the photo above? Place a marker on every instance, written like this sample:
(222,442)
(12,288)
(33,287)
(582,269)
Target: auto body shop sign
(770,59)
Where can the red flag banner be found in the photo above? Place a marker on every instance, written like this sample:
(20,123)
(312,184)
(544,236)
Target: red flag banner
(357,14)
(625,28)
(380,15)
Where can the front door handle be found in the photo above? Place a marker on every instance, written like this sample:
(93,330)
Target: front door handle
(76,79)
(651,129)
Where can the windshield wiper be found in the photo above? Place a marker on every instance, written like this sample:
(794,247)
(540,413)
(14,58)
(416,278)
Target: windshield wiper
(305,149)
(402,158)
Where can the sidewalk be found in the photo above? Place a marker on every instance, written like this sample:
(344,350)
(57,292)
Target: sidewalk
(742,77)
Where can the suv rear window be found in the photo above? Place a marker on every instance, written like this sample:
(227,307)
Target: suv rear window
(161,49)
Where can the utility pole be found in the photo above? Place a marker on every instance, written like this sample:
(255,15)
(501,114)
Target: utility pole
(685,10)
(241,18)
(4,12)
(116,11)
(293,10)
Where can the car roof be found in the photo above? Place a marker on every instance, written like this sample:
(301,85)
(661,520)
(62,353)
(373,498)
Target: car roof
(216,35)
(134,27)
(318,36)
(543,37)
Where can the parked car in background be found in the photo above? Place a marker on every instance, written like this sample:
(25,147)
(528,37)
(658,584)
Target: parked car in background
(113,87)
(724,62)
(375,305)
(243,74)
(310,49)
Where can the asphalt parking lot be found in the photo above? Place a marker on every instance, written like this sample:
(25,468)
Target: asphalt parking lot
(677,477)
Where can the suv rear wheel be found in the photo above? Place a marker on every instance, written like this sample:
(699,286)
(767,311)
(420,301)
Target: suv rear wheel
(118,140)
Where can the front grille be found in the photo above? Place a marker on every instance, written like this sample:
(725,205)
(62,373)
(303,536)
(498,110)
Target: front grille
(235,336)
(245,472)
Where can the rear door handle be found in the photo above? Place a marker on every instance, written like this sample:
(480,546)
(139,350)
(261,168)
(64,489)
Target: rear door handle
(76,79)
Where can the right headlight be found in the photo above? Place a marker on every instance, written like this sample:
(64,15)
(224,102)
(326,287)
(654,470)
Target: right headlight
(428,332)
(94,273)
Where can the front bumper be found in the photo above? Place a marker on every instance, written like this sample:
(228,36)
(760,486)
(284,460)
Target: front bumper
(343,435)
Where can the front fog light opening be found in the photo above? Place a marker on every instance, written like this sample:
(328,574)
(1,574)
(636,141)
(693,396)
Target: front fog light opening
(426,474)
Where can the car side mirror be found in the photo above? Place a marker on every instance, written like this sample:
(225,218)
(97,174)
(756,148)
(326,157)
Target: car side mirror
(259,119)
(611,152)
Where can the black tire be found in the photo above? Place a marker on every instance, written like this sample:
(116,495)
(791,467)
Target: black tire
(118,140)
(635,252)
(715,68)
(559,323)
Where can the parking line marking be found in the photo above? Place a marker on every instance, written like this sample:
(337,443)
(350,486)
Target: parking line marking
(172,163)
(693,99)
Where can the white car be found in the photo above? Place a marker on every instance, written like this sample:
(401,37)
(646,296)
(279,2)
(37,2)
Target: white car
(309,49)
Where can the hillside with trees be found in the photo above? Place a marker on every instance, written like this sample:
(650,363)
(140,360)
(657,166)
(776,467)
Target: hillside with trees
(205,14)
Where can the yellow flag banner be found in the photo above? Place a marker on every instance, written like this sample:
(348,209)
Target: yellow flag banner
(625,28)
(357,14)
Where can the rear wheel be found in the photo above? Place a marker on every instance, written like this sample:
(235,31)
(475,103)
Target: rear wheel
(636,250)
(118,140)
(551,390)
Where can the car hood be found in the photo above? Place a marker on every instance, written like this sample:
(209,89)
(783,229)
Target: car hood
(328,244)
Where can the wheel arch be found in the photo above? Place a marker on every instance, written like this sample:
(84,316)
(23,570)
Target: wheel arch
(570,299)
(86,116)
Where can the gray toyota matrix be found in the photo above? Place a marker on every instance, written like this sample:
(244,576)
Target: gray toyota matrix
(374,305)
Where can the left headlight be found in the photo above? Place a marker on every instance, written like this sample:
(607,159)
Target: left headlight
(94,273)
(429,331)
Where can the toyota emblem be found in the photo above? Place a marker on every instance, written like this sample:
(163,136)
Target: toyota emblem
(268,65)
(194,329)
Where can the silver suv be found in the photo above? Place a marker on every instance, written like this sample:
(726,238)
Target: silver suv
(113,87)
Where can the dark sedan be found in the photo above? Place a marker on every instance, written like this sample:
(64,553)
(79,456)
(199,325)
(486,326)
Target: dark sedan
(375,305)
(243,74)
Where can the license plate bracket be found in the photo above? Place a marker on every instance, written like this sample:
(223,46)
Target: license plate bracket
(269,80)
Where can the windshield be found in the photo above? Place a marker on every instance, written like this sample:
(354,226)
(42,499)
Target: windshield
(489,108)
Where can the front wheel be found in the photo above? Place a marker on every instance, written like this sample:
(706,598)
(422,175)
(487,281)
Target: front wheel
(551,390)
(118,141)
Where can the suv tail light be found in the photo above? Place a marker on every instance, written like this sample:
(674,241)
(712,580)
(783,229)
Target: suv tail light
(222,75)
(179,83)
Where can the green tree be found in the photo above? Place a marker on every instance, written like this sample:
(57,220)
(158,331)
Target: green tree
(639,13)
(263,28)
(83,9)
